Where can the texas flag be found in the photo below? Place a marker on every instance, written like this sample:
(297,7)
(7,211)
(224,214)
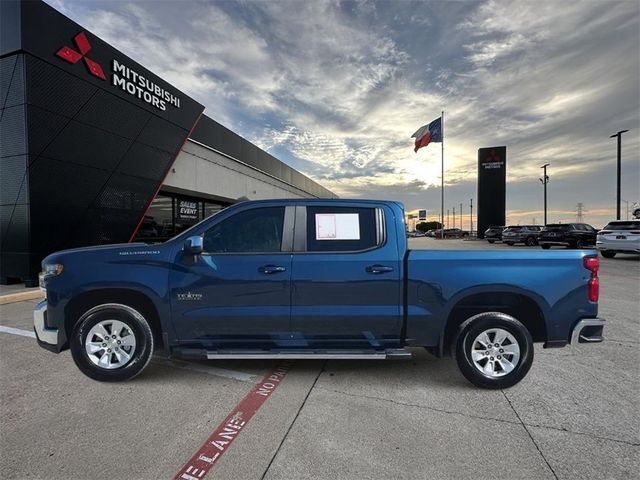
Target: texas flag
(428,133)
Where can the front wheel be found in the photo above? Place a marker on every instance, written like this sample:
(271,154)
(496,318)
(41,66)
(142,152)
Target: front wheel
(509,243)
(491,241)
(545,246)
(493,350)
(607,253)
(530,242)
(111,343)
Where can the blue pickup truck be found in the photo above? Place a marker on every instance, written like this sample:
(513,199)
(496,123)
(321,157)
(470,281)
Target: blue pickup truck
(311,278)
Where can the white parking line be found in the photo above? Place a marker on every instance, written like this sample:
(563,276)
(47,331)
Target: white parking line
(17,331)
(197,367)
(194,367)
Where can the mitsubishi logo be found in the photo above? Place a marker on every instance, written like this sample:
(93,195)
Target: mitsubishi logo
(72,56)
(493,157)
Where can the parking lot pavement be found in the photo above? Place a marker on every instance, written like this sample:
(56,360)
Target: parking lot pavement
(574,416)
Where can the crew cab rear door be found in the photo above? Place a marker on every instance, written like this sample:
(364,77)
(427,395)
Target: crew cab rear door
(237,293)
(346,278)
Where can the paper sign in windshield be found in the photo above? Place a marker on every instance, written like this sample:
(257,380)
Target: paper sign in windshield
(337,226)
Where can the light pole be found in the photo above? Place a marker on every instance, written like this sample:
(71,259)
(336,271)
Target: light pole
(447,218)
(544,180)
(470,215)
(619,135)
(454,217)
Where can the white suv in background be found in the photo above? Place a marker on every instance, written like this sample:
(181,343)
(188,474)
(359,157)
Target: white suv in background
(619,236)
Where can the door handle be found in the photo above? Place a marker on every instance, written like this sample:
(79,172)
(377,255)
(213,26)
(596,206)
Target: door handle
(269,269)
(378,269)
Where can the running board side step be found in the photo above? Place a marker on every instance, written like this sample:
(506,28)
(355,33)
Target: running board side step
(397,354)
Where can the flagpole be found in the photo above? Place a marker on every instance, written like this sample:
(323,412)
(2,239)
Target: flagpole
(442,178)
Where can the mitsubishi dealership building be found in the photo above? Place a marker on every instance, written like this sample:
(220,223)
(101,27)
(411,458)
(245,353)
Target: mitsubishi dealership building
(97,149)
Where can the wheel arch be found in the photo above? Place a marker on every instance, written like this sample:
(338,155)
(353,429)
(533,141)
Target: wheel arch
(515,302)
(135,299)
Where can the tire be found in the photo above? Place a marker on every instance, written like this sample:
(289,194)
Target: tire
(530,242)
(493,325)
(130,351)
(577,244)
(509,243)
(607,253)
(491,241)
(545,246)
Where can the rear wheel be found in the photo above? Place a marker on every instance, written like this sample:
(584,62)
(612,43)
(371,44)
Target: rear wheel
(491,241)
(607,253)
(111,342)
(509,243)
(545,246)
(578,243)
(493,350)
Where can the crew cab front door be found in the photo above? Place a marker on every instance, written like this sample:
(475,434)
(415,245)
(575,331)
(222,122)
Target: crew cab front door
(346,279)
(237,293)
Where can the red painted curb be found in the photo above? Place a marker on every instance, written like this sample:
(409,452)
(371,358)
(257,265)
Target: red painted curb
(224,435)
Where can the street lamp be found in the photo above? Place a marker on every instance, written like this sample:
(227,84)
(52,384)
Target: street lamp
(619,136)
(544,180)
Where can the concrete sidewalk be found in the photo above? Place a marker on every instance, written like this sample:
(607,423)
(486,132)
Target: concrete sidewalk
(17,292)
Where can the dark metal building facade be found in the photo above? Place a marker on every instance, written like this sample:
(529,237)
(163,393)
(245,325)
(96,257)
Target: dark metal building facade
(87,136)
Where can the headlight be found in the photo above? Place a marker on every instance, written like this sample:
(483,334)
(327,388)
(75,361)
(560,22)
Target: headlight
(48,271)
(53,269)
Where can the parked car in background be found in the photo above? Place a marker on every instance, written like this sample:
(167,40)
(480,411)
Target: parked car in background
(570,235)
(619,236)
(455,233)
(493,234)
(527,234)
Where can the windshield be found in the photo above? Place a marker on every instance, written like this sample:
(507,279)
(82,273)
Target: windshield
(513,229)
(631,225)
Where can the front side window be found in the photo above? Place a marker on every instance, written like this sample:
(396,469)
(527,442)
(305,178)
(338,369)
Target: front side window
(341,229)
(258,230)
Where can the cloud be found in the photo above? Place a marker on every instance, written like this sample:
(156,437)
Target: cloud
(335,89)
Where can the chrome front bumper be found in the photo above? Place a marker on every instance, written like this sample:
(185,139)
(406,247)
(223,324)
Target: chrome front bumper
(588,330)
(44,334)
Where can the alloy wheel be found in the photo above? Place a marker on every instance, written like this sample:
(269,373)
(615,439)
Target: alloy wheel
(110,344)
(495,352)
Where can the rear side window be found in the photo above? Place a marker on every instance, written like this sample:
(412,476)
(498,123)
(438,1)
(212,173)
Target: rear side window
(559,226)
(623,226)
(341,229)
(258,230)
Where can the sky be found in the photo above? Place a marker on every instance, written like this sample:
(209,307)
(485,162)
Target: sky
(336,89)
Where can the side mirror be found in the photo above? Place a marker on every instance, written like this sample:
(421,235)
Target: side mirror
(193,245)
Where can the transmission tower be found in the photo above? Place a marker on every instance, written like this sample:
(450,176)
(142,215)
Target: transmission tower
(580,211)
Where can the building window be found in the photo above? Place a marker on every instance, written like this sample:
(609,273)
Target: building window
(169,215)
(157,224)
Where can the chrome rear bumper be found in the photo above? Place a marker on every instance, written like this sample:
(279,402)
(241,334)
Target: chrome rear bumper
(588,330)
